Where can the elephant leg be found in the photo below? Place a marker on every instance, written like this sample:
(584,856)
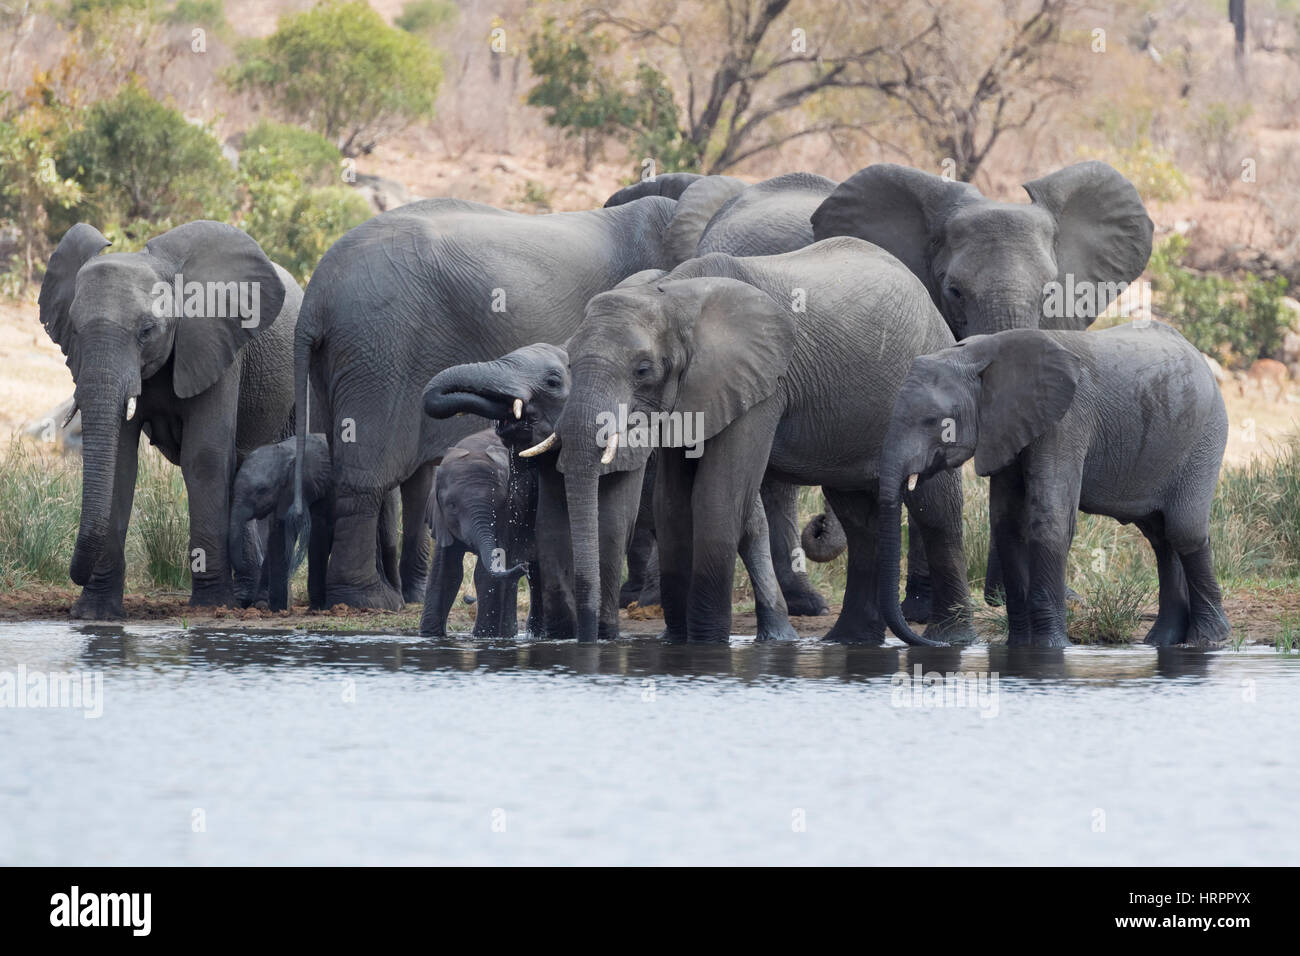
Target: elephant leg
(208,469)
(917,596)
(727,480)
(1209,624)
(649,596)
(318,553)
(1175,612)
(554,565)
(351,577)
(386,557)
(860,620)
(640,564)
(1051,509)
(415,535)
(445,575)
(536,605)
(101,598)
(1006,508)
(279,554)
(769,603)
(935,518)
(994,588)
(674,533)
(620,492)
(780,501)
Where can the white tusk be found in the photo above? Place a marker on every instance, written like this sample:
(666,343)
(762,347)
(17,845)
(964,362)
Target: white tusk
(519,408)
(612,447)
(543,445)
(911,482)
(130,408)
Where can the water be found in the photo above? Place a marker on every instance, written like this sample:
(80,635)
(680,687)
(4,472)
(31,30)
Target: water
(226,748)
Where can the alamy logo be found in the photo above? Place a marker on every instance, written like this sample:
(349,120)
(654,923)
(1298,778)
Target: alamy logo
(1085,299)
(656,430)
(24,689)
(208,300)
(102,909)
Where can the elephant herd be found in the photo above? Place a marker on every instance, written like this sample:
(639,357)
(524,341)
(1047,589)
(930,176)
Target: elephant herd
(646,385)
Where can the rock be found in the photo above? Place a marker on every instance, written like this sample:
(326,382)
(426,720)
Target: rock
(1290,348)
(1292,306)
(382,194)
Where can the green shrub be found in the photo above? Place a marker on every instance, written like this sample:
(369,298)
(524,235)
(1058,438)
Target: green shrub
(342,71)
(40,509)
(139,161)
(1234,320)
(293,211)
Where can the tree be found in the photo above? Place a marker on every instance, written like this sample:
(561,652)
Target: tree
(29,180)
(341,70)
(963,94)
(140,161)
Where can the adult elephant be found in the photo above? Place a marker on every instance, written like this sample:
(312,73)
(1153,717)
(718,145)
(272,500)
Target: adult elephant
(419,289)
(1056,262)
(738,376)
(188,341)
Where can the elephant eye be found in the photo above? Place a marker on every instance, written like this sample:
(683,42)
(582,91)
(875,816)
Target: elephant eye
(644,368)
(146,331)
(554,381)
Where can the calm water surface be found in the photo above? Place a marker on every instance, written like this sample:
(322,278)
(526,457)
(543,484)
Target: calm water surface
(223,748)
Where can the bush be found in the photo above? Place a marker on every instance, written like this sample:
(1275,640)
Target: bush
(30,186)
(139,162)
(293,211)
(1234,320)
(343,72)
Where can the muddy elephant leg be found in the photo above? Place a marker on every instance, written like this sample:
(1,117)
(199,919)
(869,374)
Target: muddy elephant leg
(489,608)
(208,470)
(1209,625)
(415,535)
(780,502)
(769,602)
(554,565)
(101,598)
(445,575)
(1174,614)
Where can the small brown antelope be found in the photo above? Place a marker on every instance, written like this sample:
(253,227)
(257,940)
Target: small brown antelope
(1266,370)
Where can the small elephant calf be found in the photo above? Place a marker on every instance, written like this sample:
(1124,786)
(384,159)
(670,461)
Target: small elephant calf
(476,508)
(263,489)
(1128,422)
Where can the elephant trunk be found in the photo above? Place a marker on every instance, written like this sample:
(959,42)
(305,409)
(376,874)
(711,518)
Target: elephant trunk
(889,551)
(104,400)
(486,544)
(581,490)
(245,547)
(475,389)
(823,537)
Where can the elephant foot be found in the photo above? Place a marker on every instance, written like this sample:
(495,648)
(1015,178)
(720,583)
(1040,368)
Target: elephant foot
(917,599)
(805,602)
(952,631)
(870,633)
(413,593)
(377,595)
(1208,630)
(97,606)
(773,626)
(212,595)
(1040,639)
(1166,634)
(628,594)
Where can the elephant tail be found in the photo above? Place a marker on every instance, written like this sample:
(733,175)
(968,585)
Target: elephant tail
(297,527)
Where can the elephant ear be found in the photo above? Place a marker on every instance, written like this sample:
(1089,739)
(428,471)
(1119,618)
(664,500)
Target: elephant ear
(78,246)
(1103,232)
(738,341)
(696,207)
(668,185)
(901,210)
(1026,387)
(644,277)
(213,252)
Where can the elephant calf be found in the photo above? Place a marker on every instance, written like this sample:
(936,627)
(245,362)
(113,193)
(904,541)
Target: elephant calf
(475,507)
(263,489)
(1128,423)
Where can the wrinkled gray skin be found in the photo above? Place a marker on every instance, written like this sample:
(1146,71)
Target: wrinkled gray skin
(412,292)
(985,263)
(803,396)
(538,377)
(1127,422)
(476,508)
(668,185)
(263,491)
(206,390)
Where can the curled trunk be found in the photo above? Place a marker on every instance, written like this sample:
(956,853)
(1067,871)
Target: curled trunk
(823,537)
